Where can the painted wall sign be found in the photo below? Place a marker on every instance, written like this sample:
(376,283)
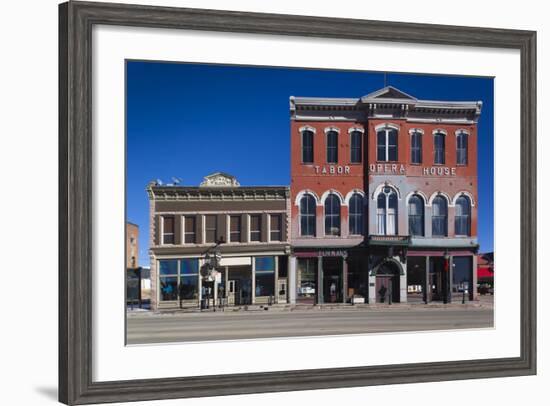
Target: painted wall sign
(387,168)
(399,169)
(332,170)
(439,171)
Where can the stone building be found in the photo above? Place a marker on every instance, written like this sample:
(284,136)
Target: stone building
(247,226)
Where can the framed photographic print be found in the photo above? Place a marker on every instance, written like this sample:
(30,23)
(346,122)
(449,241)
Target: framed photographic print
(260,202)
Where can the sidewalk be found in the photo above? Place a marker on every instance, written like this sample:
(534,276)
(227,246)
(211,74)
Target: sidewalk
(481,303)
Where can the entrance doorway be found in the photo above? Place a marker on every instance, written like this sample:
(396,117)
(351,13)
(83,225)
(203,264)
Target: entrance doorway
(240,285)
(387,283)
(437,279)
(332,279)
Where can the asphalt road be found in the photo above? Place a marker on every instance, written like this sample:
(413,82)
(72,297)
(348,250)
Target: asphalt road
(164,328)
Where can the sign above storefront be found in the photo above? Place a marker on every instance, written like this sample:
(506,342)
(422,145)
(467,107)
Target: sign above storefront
(321,253)
(399,169)
(332,170)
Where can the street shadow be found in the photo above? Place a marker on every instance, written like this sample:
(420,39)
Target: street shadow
(49,392)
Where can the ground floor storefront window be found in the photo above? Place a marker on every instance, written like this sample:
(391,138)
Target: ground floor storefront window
(358,278)
(306,283)
(462,278)
(265,276)
(178,279)
(416,279)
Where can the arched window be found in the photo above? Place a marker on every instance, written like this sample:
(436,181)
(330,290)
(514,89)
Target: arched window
(462,148)
(416,216)
(386,144)
(387,211)
(332,215)
(307,146)
(462,216)
(439,217)
(332,147)
(307,216)
(356,149)
(439,148)
(416,147)
(356,214)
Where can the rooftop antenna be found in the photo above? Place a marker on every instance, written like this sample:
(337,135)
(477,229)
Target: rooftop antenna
(176,180)
(159,182)
(385,79)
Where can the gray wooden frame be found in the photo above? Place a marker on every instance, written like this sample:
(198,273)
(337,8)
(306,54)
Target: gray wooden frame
(75,186)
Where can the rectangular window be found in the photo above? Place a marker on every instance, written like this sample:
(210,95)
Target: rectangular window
(462,149)
(255,227)
(190,230)
(189,279)
(416,148)
(392,145)
(381,146)
(168,279)
(332,147)
(386,144)
(168,230)
(211,229)
(439,149)
(356,147)
(235,229)
(307,147)
(275,232)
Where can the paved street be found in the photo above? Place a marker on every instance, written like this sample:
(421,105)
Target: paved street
(157,328)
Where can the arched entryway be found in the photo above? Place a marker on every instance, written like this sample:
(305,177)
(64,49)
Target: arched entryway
(387,282)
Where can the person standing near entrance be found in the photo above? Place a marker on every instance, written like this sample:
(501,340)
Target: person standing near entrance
(333,292)
(382,292)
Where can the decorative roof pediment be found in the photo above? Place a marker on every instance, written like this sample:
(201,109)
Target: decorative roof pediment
(220,179)
(388,92)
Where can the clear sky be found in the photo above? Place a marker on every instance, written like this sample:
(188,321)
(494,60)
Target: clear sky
(190,120)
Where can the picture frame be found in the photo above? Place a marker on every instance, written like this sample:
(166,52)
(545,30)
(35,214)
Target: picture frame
(76,19)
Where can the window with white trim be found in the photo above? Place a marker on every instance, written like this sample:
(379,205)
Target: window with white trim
(416,147)
(189,232)
(168,234)
(462,148)
(275,224)
(356,147)
(211,228)
(439,217)
(332,215)
(235,228)
(462,216)
(416,216)
(332,147)
(307,216)
(386,212)
(356,217)
(386,144)
(307,146)
(439,148)
(255,227)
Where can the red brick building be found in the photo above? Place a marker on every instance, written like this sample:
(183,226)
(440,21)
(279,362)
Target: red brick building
(383,198)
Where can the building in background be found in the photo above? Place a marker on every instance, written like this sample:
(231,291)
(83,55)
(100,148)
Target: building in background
(486,273)
(383,198)
(132,245)
(248,226)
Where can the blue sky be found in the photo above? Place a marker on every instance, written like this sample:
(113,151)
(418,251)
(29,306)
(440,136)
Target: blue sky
(189,120)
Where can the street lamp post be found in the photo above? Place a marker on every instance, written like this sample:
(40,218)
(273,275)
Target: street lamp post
(212,258)
(446,292)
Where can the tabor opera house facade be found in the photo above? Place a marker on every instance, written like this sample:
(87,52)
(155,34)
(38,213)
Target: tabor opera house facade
(382,207)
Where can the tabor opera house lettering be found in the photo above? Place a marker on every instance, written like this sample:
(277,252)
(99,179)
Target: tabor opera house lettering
(399,169)
(332,170)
